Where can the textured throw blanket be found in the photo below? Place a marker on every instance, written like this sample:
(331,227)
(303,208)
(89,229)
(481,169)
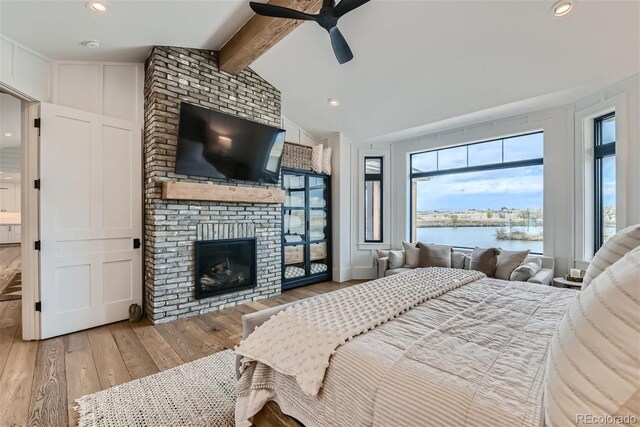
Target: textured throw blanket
(299,341)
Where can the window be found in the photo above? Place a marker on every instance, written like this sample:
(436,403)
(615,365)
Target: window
(605,179)
(373,199)
(486,194)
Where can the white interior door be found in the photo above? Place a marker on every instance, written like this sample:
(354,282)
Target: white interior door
(90,214)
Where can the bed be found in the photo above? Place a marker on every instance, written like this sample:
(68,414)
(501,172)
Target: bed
(469,353)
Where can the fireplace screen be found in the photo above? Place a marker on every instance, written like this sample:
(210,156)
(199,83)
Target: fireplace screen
(224,266)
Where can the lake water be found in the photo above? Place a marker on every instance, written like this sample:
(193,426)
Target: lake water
(484,237)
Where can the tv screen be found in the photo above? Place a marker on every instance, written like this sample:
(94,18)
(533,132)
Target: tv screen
(218,145)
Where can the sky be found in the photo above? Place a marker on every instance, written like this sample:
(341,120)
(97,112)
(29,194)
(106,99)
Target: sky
(517,188)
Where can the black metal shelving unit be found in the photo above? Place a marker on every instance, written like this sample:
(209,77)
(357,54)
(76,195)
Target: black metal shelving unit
(306,228)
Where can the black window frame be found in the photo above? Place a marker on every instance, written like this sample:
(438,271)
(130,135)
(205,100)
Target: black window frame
(374,177)
(600,152)
(488,167)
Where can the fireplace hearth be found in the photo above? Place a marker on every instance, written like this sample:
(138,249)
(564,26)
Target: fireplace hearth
(225,266)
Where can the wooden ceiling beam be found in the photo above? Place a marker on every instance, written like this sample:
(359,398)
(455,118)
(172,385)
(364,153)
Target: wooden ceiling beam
(259,34)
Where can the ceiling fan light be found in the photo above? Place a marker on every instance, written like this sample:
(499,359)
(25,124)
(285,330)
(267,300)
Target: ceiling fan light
(561,8)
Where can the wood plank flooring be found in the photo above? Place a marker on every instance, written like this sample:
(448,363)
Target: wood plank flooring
(40,380)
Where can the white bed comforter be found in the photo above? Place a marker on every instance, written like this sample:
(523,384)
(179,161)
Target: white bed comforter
(474,356)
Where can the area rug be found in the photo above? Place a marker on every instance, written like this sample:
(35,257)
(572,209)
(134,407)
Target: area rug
(13,290)
(200,393)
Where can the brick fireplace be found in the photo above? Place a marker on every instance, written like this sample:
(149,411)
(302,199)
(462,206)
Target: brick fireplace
(172,227)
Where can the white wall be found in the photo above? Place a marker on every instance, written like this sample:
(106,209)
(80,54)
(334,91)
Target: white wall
(296,134)
(562,177)
(111,89)
(341,206)
(25,71)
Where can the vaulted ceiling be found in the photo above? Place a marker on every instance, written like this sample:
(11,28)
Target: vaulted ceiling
(416,63)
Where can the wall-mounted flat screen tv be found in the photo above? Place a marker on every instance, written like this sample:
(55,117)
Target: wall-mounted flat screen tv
(217,145)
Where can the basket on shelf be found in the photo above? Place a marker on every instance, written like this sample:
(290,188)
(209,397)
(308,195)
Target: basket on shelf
(296,156)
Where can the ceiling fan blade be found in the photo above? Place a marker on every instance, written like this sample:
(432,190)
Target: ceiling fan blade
(340,46)
(346,6)
(265,9)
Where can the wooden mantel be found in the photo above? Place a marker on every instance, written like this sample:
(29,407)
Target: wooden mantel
(174,190)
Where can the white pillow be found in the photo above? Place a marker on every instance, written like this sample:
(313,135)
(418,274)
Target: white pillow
(611,251)
(411,255)
(326,161)
(526,271)
(396,259)
(316,158)
(594,355)
(382,253)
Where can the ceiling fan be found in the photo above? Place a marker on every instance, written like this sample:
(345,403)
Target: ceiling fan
(327,18)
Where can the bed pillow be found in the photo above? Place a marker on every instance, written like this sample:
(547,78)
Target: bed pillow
(316,158)
(396,259)
(592,367)
(434,255)
(526,271)
(457,260)
(484,260)
(411,254)
(611,251)
(508,261)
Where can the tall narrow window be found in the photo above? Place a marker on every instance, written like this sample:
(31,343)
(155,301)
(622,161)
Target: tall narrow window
(373,199)
(605,179)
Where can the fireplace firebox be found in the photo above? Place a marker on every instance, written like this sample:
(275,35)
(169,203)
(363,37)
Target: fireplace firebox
(224,266)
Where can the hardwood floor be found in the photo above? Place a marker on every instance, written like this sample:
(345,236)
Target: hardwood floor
(9,263)
(41,379)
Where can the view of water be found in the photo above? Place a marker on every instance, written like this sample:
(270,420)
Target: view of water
(484,237)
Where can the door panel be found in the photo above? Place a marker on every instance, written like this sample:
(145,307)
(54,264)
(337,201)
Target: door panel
(90,212)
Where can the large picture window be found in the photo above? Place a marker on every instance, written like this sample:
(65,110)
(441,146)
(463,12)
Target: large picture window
(373,199)
(605,179)
(487,194)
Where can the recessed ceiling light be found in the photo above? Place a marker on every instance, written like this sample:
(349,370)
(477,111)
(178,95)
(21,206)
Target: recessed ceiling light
(92,44)
(8,134)
(561,8)
(99,6)
(334,102)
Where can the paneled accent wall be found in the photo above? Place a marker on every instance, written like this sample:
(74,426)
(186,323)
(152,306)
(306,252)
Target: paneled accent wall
(174,75)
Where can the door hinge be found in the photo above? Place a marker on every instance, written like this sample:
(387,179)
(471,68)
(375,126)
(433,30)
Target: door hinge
(136,243)
(37,124)
(36,245)
(39,306)
(36,184)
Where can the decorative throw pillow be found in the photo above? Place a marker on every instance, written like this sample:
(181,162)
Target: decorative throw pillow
(381,253)
(411,254)
(611,251)
(508,261)
(457,260)
(326,160)
(526,271)
(467,262)
(396,259)
(592,367)
(484,260)
(316,158)
(434,255)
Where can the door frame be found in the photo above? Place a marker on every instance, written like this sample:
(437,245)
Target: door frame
(30,211)
(30,208)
